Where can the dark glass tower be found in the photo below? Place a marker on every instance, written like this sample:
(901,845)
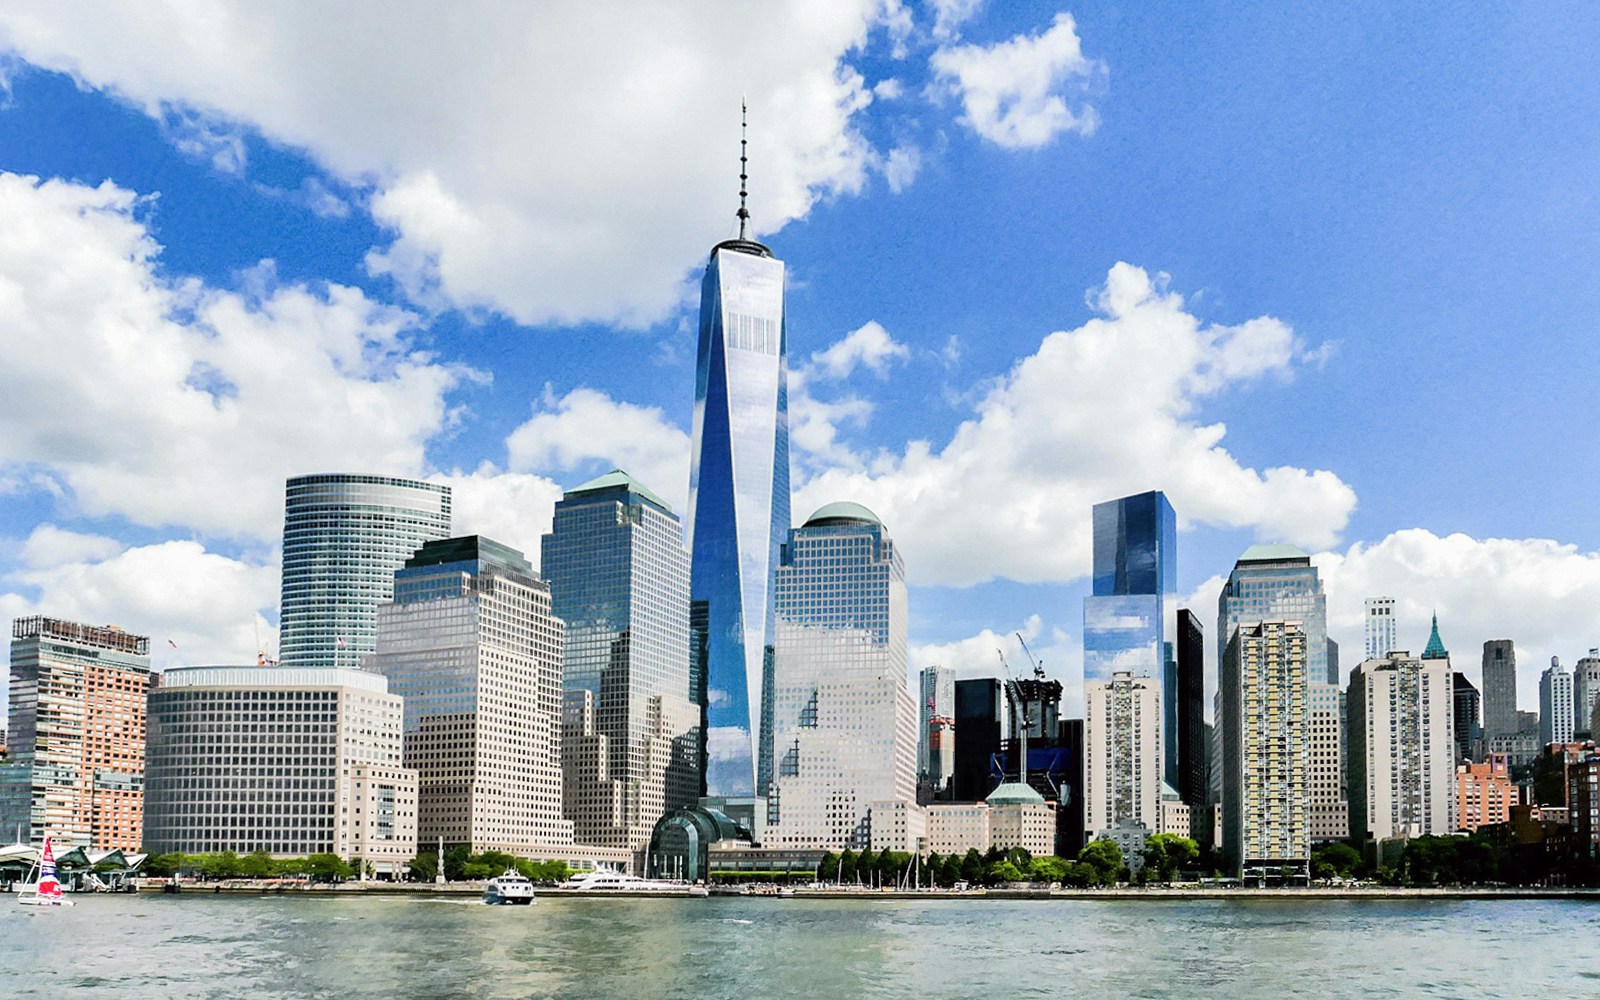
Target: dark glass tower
(1130,619)
(738,502)
(978,733)
(1192,740)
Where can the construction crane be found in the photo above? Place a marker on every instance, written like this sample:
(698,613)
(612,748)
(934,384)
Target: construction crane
(1038,668)
(1022,716)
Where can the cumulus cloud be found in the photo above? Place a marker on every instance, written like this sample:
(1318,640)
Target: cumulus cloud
(49,545)
(1105,410)
(1539,593)
(170,402)
(584,427)
(210,605)
(950,15)
(868,346)
(1014,93)
(555,162)
(511,507)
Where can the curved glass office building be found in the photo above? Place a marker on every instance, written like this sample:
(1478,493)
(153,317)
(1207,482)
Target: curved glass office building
(738,503)
(343,538)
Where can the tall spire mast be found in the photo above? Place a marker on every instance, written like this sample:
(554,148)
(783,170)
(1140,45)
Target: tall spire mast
(744,128)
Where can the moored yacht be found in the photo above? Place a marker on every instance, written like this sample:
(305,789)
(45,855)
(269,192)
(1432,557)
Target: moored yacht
(621,883)
(510,888)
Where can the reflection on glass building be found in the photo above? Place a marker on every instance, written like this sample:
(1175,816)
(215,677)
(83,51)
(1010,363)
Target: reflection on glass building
(844,722)
(1278,582)
(343,538)
(738,503)
(1130,620)
(619,580)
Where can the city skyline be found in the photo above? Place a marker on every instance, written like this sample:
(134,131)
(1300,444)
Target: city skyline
(292,323)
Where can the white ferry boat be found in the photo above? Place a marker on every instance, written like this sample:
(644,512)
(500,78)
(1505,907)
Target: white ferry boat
(608,880)
(510,888)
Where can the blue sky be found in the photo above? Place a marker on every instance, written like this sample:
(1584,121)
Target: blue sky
(1325,276)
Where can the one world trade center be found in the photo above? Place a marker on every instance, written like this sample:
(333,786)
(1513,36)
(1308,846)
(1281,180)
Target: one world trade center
(738,503)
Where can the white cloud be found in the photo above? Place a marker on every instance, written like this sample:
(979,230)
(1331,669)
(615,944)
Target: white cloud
(556,162)
(869,346)
(173,403)
(1540,593)
(49,545)
(1013,92)
(585,426)
(174,592)
(975,656)
(1098,412)
(950,15)
(901,167)
(511,507)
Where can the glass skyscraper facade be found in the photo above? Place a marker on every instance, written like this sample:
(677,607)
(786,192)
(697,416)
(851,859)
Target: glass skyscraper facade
(1278,583)
(343,538)
(844,722)
(738,504)
(1130,620)
(619,579)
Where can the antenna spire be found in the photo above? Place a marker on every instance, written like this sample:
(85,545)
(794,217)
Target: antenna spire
(744,128)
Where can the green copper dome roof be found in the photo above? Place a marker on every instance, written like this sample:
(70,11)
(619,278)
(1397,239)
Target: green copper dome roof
(617,479)
(1013,792)
(1272,553)
(843,511)
(1435,650)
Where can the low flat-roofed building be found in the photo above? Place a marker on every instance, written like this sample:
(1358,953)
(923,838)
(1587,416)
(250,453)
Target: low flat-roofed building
(291,761)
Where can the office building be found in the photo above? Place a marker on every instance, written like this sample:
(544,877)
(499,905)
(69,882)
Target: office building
(75,735)
(1130,620)
(1585,693)
(291,761)
(936,740)
(1555,704)
(1583,811)
(1500,689)
(1402,748)
(1484,793)
(1014,816)
(1468,730)
(470,644)
(1193,741)
(1122,753)
(1278,583)
(844,724)
(738,501)
(980,709)
(1266,758)
(618,574)
(343,538)
(1330,810)
(1381,631)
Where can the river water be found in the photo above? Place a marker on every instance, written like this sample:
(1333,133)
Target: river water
(190,946)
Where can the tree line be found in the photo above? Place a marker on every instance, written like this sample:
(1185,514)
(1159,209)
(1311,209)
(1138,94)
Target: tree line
(1100,863)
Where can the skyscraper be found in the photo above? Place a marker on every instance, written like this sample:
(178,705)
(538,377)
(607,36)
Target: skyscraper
(935,731)
(1555,704)
(292,761)
(74,764)
(980,711)
(619,579)
(1277,582)
(1585,692)
(1266,756)
(1402,748)
(470,644)
(1500,689)
(1330,810)
(1192,739)
(1380,631)
(1122,753)
(844,723)
(1130,621)
(1434,650)
(1468,709)
(738,500)
(343,538)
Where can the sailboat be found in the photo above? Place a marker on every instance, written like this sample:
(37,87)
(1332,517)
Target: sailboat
(46,891)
